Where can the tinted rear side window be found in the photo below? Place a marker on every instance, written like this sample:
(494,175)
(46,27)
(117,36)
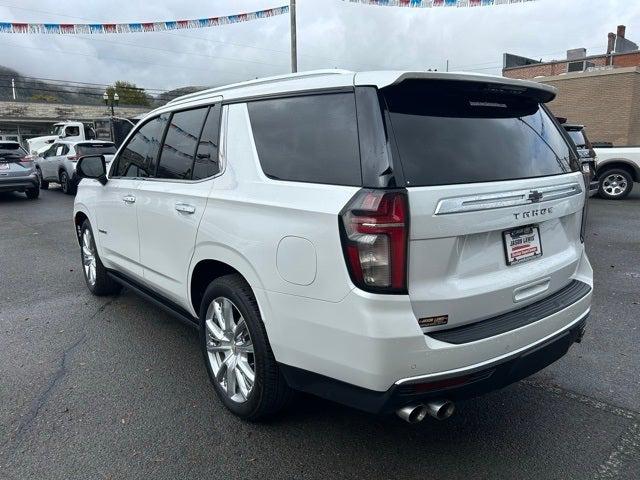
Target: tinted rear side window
(207,163)
(179,148)
(95,149)
(308,139)
(450,133)
(138,158)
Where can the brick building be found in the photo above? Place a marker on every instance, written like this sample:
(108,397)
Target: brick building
(600,91)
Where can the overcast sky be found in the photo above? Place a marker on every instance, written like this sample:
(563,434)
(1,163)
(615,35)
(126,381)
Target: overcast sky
(331,33)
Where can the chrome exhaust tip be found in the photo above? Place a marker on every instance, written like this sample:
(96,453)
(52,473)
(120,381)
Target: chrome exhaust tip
(412,413)
(440,409)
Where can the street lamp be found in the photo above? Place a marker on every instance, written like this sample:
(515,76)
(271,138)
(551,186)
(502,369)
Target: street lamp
(111,102)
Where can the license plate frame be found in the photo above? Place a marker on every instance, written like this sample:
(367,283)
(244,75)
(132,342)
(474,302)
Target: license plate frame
(522,244)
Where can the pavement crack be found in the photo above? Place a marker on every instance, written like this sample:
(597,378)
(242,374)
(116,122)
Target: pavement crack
(600,405)
(38,403)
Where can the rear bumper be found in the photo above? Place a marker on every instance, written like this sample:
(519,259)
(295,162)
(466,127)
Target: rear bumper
(18,184)
(458,385)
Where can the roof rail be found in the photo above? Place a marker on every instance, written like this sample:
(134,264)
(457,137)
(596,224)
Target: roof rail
(258,81)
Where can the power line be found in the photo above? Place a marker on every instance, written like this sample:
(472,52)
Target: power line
(117,59)
(194,37)
(73,83)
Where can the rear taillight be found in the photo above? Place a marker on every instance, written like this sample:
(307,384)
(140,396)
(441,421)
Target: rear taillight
(374,227)
(587,175)
(73,158)
(26,161)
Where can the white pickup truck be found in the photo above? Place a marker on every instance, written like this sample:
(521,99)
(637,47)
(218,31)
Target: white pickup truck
(617,168)
(69,131)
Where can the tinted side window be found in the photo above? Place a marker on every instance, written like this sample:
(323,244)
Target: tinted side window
(178,150)
(72,131)
(206,164)
(138,158)
(308,139)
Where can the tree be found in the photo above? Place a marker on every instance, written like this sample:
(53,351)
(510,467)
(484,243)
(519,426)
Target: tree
(129,93)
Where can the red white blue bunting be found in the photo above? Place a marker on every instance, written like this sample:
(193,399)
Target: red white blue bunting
(98,28)
(437,3)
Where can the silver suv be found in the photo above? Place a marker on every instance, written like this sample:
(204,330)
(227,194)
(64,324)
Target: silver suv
(58,162)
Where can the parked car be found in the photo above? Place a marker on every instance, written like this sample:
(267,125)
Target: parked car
(58,162)
(578,136)
(394,241)
(17,172)
(617,168)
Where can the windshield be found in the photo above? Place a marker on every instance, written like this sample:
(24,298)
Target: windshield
(57,130)
(450,133)
(96,149)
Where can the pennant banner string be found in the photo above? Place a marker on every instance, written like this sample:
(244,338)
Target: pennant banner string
(99,28)
(437,3)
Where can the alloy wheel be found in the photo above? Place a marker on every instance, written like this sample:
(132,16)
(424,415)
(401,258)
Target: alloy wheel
(230,349)
(88,257)
(614,185)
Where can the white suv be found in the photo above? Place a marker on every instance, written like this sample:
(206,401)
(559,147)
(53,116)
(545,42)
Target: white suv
(394,241)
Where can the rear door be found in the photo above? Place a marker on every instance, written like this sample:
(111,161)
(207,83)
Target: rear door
(495,197)
(172,202)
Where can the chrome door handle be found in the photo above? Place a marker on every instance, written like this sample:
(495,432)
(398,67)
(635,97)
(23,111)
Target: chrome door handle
(129,199)
(185,208)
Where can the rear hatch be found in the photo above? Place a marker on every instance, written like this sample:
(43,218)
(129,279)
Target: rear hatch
(495,196)
(14,161)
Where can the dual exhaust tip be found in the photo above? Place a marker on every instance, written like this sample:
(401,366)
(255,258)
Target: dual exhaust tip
(438,409)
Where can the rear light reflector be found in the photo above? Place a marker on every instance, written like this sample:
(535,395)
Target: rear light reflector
(374,227)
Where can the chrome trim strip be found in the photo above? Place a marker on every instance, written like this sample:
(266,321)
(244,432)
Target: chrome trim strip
(493,361)
(513,198)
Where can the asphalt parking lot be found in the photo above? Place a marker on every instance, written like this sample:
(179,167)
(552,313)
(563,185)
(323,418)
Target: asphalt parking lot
(115,388)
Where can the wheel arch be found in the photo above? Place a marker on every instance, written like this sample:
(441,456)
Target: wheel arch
(619,163)
(213,262)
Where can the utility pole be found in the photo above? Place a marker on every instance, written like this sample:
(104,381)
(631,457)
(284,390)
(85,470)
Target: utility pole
(13,88)
(447,64)
(294,46)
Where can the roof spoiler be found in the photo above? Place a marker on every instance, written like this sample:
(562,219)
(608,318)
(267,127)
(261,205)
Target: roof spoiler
(540,92)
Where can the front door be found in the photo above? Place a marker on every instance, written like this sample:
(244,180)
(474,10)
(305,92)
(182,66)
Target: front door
(119,203)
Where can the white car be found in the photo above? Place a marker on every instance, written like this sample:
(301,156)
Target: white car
(58,162)
(394,241)
(617,168)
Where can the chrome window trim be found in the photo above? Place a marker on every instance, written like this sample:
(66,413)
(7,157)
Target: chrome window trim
(505,199)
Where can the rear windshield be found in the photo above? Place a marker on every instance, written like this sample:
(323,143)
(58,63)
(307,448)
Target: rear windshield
(461,132)
(578,138)
(96,149)
(8,150)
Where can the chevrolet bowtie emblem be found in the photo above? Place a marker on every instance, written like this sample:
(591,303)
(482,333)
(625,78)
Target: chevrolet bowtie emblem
(535,196)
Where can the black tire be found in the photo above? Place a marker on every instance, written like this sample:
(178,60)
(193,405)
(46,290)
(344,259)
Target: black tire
(609,183)
(32,193)
(103,285)
(67,184)
(270,392)
(44,185)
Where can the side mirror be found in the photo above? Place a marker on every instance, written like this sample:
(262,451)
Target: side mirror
(92,166)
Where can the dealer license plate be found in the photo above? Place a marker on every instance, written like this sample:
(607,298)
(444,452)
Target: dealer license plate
(522,244)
